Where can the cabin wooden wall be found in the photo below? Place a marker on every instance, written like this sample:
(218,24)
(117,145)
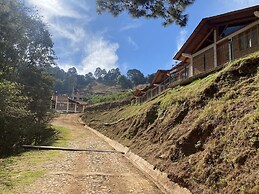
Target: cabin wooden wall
(238,51)
(222,53)
(61,106)
(203,62)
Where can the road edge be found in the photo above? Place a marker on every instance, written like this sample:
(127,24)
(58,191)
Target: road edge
(159,178)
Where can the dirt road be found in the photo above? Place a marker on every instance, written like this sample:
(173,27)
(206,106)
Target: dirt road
(90,172)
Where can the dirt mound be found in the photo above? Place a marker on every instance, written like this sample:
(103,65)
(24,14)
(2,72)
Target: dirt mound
(205,135)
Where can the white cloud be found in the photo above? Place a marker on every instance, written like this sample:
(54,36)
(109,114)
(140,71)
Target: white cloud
(245,2)
(132,43)
(54,8)
(74,34)
(65,67)
(99,53)
(130,26)
(181,38)
(124,67)
(238,4)
(55,15)
(68,22)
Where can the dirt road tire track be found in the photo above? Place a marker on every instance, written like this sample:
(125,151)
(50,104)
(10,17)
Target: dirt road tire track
(90,172)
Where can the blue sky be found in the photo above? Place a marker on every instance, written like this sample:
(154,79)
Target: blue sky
(86,40)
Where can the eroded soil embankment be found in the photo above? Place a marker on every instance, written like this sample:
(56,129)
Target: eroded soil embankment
(204,135)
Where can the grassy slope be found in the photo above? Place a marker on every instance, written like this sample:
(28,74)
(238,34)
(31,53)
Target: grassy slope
(110,97)
(18,171)
(204,135)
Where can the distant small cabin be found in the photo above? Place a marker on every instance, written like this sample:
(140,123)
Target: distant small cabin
(64,104)
(216,41)
(158,85)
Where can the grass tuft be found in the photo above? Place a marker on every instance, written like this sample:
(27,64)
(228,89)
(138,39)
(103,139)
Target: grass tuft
(18,171)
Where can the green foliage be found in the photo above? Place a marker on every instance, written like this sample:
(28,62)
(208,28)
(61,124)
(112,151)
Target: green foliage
(100,73)
(14,116)
(112,76)
(66,82)
(25,52)
(169,11)
(24,39)
(124,82)
(205,132)
(18,171)
(136,77)
(150,78)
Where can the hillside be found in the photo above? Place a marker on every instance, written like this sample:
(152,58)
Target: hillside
(101,88)
(204,135)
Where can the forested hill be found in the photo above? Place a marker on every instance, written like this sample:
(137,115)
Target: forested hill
(67,82)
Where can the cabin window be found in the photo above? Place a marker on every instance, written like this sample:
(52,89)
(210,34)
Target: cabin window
(227,30)
(248,39)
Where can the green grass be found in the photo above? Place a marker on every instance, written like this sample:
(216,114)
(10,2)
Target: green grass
(222,114)
(116,96)
(18,171)
(180,94)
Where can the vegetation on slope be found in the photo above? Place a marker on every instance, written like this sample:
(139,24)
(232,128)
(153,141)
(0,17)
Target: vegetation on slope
(116,96)
(67,82)
(204,135)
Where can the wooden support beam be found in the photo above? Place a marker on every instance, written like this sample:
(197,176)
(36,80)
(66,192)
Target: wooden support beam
(237,21)
(199,45)
(68,149)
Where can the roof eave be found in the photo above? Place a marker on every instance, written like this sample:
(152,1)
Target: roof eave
(208,21)
(189,40)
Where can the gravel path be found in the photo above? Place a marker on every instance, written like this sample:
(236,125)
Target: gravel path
(90,172)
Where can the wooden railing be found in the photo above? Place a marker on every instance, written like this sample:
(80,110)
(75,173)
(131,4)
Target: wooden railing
(170,83)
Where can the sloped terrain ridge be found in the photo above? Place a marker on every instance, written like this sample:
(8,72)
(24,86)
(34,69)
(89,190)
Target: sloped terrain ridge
(204,135)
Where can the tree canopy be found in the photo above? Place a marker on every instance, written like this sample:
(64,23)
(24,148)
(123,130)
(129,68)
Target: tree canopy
(136,77)
(66,82)
(26,49)
(169,10)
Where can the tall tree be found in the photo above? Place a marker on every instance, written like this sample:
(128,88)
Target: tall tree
(150,78)
(124,82)
(136,77)
(70,82)
(169,10)
(26,49)
(112,76)
(89,78)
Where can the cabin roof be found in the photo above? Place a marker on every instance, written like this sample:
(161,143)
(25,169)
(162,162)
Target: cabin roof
(141,91)
(161,76)
(207,24)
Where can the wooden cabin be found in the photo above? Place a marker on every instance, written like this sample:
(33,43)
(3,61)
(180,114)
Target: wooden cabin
(220,39)
(158,85)
(179,72)
(64,104)
(215,41)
